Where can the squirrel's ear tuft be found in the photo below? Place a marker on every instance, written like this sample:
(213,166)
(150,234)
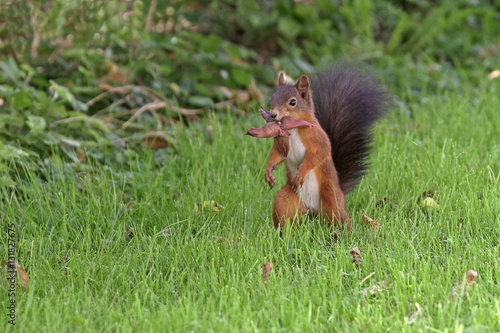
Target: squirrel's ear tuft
(281,79)
(303,86)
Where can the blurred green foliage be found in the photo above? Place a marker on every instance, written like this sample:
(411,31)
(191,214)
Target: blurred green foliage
(76,75)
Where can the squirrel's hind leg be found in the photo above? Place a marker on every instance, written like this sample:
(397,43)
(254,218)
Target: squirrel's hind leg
(287,206)
(333,209)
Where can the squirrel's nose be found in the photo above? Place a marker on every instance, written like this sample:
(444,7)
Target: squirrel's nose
(274,115)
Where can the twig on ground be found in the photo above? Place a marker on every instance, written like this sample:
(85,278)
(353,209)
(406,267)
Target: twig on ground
(148,107)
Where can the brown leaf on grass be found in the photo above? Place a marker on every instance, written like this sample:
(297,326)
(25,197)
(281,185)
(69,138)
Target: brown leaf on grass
(460,289)
(267,269)
(19,274)
(155,140)
(373,224)
(24,279)
(471,277)
(375,289)
(81,155)
(356,256)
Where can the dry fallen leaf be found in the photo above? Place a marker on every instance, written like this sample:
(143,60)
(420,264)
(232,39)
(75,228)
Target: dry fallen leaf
(471,277)
(356,256)
(461,288)
(20,275)
(267,269)
(24,279)
(81,155)
(155,140)
(376,288)
(373,224)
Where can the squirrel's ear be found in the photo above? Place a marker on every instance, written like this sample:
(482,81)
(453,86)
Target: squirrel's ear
(303,86)
(281,79)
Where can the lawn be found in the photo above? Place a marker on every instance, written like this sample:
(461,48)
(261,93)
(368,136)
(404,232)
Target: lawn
(182,270)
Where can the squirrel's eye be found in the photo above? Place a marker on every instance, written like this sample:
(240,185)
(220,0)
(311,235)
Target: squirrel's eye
(293,101)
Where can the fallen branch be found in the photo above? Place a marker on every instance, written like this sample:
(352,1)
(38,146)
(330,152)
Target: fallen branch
(148,107)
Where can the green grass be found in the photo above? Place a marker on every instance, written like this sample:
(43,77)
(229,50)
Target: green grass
(175,275)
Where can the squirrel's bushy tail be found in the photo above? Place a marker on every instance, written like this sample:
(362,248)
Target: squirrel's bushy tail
(348,101)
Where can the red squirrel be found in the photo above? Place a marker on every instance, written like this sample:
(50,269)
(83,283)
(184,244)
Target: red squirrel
(325,161)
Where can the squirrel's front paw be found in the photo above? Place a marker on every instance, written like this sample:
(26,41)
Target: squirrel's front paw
(297,181)
(268,174)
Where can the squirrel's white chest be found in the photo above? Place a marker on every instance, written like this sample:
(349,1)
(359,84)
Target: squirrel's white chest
(309,191)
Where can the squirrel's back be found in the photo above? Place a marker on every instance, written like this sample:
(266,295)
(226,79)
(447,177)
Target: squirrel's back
(347,102)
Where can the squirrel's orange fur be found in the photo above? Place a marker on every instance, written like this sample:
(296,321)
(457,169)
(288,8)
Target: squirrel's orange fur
(317,159)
